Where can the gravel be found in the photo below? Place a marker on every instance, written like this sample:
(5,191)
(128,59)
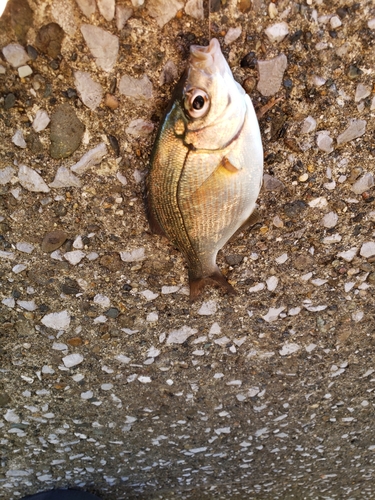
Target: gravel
(111,380)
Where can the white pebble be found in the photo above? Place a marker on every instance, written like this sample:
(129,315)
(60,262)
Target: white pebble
(74,257)
(28,305)
(87,395)
(289,348)
(181,335)
(272,283)
(57,321)
(232,35)
(31,180)
(330,220)
(332,239)
(136,255)
(24,71)
(19,268)
(257,288)
(24,247)
(309,125)
(19,140)
(324,141)
(102,300)
(357,316)
(78,243)
(41,120)
(144,380)
(368,249)
(348,255)
(123,359)
(335,22)
(208,308)
(277,32)
(72,360)
(273,314)
(169,289)
(149,295)
(282,258)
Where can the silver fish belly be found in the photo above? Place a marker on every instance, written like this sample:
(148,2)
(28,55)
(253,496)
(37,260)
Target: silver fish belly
(207,165)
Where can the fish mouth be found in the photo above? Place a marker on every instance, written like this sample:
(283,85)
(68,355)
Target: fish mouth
(208,59)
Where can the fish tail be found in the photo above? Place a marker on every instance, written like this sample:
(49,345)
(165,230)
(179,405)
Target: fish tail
(197,284)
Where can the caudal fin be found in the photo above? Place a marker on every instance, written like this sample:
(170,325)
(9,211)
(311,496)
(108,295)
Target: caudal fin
(216,278)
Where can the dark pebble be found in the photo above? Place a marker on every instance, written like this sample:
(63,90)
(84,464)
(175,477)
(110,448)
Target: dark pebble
(9,101)
(342,12)
(33,142)
(112,312)
(249,61)
(4,228)
(112,262)
(112,86)
(70,287)
(215,5)
(288,84)
(16,294)
(54,64)
(53,240)
(114,144)
(294,208)
(49,39)
(4,399)
(127,287)
(303,262)
(234,259)
(296,36)
(32,52)
(353,72)
(66,132)
(60,210)
(70,93)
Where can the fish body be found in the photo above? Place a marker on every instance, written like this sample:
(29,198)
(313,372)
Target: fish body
(206,166)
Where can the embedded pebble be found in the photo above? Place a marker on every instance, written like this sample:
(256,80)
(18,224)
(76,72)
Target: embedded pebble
(309,125)
(53,240)
(257,288)
(169,73)
(368,249)
(320,202)
(107,9)
(163,11)
(19,140)
(90,92)
(65,178)
(31,180)
(41,120)
(88,7)
(330,220)
(123,13)
(28,305)
(57,321)
(272,283)
(103,46)
(289,348)
(93,157)
(232,35)
(271,183)
(9,302)
(273,314)
(102,300)
(271,74)
(277,32)
(149,295)
(169,289)
(366,182)
(66,131)
(181,335)
(324,141)
(6,175)
(194,8)
(136,88)
(356,129)
(357,316)
(140,128)
(24,71)
(332,239)
(15,54)
(282,258)
(136,255)
(361,92)
(24,247)
(74,257)
(208,308)
(348,255)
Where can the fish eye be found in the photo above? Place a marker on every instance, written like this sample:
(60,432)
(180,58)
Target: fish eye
(197,103)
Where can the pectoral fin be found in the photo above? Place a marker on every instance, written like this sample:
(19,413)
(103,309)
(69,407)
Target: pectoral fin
(216,278)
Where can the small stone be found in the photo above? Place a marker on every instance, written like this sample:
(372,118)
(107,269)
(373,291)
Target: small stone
(74,257)
(64,15)
(123,13)
(361,92)
(136,255)
(49,40)
(277,32)
(357,316)
(89,159)
(123,359)
(103,46)
(19,140)
(112,312)
(102,300)
(41,120)
(309,125)
(136,88)
(140,128)
(356,129)
(289,348)
(273,314)
(367,181)
(149,295)
(272,283)
(194,8)
(271,183)
(57,321)
(169,73)
(282,258)
(6,175)
(232,35)
(9,302)
(181,335)
(257,288)
(53,240)
(271,75)
(368,249)
(332,239)
(112,262)
(335,22)
(234,259)
(152,317)
(90,92)
(88,7)
(9,101)
(371,24)
(348,255)
(111,101)
(324,141)
(304,177)
(272,10)
(24,71)
(163,11)
(15,54)
(2,69)
(25,247)
(320,202)
(107,8)
(66,132)
(31,180)
(330,220)
(144,380)
(28,305)
(166,290)
(65,178)
(137,3)
(208,308)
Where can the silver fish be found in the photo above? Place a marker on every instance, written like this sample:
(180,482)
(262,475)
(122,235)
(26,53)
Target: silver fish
(206,166)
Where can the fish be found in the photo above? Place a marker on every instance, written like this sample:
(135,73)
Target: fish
(206,166)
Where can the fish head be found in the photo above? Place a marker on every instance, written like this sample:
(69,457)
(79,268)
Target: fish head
(214,104)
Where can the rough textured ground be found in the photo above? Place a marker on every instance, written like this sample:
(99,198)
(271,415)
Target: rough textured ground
(270,394)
